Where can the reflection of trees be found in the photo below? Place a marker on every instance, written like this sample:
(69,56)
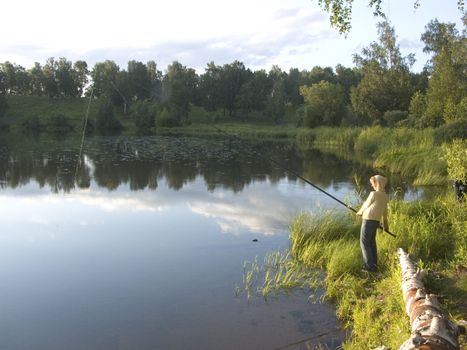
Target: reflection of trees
(141,162)
(55,171)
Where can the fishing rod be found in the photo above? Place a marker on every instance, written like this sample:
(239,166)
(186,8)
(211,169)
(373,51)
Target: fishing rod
(294,173)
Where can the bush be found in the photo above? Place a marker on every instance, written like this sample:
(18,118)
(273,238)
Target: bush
(167,120)
(105,118)
(456,129)
(392,118)
(417,105)
(453,111)
(455,154)
(143,114)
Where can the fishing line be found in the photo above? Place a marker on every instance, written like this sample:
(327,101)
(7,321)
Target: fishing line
(304,340)
(290,171)
(84,132)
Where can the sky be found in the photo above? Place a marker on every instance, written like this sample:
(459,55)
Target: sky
(259,33)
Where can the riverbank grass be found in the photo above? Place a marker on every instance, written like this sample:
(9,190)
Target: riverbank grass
(371,306)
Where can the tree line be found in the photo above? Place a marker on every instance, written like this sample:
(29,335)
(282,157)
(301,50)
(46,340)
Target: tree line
(380,89)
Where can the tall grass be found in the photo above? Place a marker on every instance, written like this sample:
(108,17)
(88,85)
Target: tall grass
(433,232)
(411,153)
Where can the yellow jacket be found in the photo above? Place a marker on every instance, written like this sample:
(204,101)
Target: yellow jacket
(376,208)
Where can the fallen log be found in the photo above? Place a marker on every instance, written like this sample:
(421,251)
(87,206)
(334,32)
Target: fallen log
(431,329)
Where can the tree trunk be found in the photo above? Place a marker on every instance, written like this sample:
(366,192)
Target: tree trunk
(431,329)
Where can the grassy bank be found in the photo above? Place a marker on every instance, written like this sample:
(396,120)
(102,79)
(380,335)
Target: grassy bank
(435,234)
(371,306)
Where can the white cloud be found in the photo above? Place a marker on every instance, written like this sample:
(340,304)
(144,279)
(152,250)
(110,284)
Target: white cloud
(259,33)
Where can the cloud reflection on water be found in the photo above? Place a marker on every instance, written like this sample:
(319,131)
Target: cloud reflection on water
(261,208)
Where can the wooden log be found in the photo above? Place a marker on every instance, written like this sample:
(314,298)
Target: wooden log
(431,329)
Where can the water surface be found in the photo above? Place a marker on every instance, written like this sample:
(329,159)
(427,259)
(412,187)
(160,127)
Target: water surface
(140,243)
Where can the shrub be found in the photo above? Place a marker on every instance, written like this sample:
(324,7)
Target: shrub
(455,154)
(457,129)
(453,111)
(393,117)
(417,105)
(105,118)
(167,120)
(143,114)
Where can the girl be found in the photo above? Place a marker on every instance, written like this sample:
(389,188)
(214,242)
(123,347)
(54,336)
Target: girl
(373,211)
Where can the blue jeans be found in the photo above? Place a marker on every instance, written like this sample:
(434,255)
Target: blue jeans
(368,244)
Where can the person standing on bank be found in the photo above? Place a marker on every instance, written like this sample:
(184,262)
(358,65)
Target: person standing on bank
(373,211)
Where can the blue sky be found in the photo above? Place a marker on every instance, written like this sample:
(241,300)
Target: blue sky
(260,33)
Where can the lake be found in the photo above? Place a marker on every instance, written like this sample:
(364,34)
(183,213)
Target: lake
(140,243)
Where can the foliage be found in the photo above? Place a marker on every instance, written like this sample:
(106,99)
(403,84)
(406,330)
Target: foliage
(143,114)
(456,129)
(455,111)
(385,83)
(340,11)
(178,89)
(448,84)
(393,118)
(167,120)
(417,105)
(455,154)
(3,102)
(325,104)
(105,118)
(275,105)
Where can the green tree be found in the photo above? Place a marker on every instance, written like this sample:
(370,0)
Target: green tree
(64,75)
(347,78)
(155,78)
(16,78)
(437,37)
(385,83)
(254,93)
(139,81)
(318,74)
(80,76)
(324,103)
(293,80)
(50,82)
(275,107)
(232,75)
(417,105)
(104,78)
(37,80)
(210,87)
(3,102)
(178,88)
(105,118)
(448,84)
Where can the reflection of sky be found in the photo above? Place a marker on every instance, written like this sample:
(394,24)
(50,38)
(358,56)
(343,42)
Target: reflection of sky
(261,208)
(98,269)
